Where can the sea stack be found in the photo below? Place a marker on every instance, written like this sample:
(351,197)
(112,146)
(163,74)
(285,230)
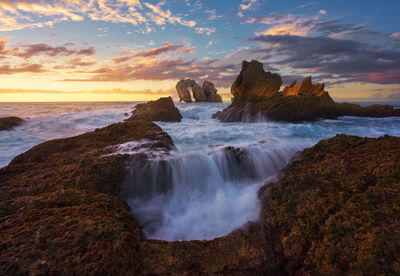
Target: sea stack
(256,93)
(206,93)
(7,123)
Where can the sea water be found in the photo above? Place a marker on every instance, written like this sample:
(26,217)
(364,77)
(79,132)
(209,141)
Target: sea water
(206,187)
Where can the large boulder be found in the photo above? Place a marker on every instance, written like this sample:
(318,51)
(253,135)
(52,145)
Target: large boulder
(211,92)
(254,82)
(7,123)
(256,96)
(336,211)
(161,110)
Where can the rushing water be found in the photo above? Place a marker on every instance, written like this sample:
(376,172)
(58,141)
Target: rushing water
(208,186)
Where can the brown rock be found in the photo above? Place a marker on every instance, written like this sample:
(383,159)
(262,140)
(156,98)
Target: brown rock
(254,82)
(211,92)
(305,88)
(335,210)
(255,96)
(161,110)
(184,87)
(7,123)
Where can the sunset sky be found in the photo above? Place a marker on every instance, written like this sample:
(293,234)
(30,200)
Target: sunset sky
(105,50)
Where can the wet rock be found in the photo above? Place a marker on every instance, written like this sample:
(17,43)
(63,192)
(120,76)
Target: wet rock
(256,95)
(7,123)
(161,110)
(335,209)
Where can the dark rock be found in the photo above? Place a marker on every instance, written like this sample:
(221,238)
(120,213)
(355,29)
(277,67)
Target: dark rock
(207,93)
(254,82)
(161,110)
(256,94)
(211,92)
(335,210)
(7,123)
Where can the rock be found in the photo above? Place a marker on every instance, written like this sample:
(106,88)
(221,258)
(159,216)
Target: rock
(161,110)
(256,96)
(211,92)
(61,213)
(7,123)
(305,88)
(207,93)
(254,82)
(59,207)
(335,210)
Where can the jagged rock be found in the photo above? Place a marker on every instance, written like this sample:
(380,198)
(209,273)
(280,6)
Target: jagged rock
(183,88)
(256,95)
(7,123)
(211,92)
(161,110)
(207,93)
(335,210)
(254,82)
(305,88)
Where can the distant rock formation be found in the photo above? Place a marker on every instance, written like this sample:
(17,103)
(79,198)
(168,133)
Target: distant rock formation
(161,110)
(256,93)
(211,92)
(254,82)
(7,123)
(207,93)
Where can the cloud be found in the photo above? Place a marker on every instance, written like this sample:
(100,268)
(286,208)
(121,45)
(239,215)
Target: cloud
(45,49)
(154,52)
(324,12)
(220,72)
(160,16)
(331,58)
(29,68)
(209,45)
(206,30)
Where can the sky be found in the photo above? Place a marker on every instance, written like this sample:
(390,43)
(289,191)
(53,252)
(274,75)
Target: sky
(137,50)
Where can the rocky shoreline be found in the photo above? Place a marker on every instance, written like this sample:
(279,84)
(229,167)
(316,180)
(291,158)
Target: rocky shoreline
(333,211)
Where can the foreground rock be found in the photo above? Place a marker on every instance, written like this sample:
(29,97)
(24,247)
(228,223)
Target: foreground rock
(7,123)
(207,93)
(256,93)
(335,210)
(60,213)
(161,110)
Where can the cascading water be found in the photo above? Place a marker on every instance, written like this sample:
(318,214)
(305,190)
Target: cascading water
(208,186)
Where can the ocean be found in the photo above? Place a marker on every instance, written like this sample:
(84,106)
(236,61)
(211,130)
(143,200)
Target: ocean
(210,191)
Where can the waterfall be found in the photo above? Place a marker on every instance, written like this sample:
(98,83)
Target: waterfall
(200,194)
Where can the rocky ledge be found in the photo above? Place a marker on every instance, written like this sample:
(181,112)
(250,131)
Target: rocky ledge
(161,110)
(335,210)
(7,123)
(256,92)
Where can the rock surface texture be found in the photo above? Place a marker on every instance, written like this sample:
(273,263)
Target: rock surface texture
(7,123)
(162,109)
(207,93)
(256,93)
(334,211)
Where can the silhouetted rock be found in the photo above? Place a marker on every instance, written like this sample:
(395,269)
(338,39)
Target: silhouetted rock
(211,92)
(207,93)
(10,122)
(256,96)
(335,210)
(162,109)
